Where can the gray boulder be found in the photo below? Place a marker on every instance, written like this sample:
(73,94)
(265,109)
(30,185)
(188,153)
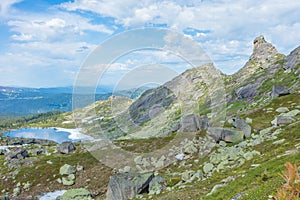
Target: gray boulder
(279,90)
(193,123)
(124,186)
(282,120)
(76,194)
(242,125)
(17,154)
(247,92)
(67,147)
(225,134)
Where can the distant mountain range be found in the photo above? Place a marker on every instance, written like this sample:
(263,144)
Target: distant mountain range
(19,101)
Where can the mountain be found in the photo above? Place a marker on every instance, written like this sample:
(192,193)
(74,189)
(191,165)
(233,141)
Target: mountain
(203,135)
(17,101)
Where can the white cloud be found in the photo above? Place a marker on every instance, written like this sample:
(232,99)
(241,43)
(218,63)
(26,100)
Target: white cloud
(225,29)
(5,6)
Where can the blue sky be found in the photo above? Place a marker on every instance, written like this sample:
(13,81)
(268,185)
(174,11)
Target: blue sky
(44,43)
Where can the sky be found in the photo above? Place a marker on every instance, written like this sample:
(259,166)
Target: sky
(46,43)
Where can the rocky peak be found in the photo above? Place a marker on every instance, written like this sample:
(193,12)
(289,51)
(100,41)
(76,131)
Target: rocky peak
(263,53)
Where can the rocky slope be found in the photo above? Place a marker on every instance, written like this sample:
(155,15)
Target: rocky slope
(217,137)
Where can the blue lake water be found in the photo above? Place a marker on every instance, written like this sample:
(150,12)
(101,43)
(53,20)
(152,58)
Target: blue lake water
(58,135)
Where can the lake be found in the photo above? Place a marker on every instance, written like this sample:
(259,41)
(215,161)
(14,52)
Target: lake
(58,135)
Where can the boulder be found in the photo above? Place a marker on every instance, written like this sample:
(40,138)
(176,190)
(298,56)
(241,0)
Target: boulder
(67,169)
(67,147)
(76,194)
(225,134)
(291,113)
(279,90)
(124,186)
(208,167)
(282,109)
(69,180)
(247,92)
(282,120)
(193,123)
(157,184)
(187,175)
(243,126)
(17,154)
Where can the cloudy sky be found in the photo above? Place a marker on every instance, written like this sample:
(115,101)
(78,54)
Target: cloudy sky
(44,43)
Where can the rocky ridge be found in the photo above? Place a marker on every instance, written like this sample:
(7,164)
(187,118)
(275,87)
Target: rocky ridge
(259,132)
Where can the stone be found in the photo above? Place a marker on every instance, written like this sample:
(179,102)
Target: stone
(76,194)
(291,113)
(243,126)
(248,120)
(138,160)
(3,151)
(215,188)
(180,156)
(16,191)
(79,168)
(67,169)
(282,109)
(222,144)
(191,149)
(127,169)
(225,134)
(193,123)
(127,185)
(157,184)
(18,153)
(198,174)
(26,186)
(247,92)
(282,120)
(250,154)
(279,90)
(37,151)
(208,167)
(266,131)
(187,175)
(279,142)
(66,147)
(69,180)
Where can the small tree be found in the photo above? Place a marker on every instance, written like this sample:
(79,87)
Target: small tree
(291,189)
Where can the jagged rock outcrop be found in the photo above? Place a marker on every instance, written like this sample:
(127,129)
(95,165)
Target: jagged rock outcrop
(292,61)
(150,104)
(264,54)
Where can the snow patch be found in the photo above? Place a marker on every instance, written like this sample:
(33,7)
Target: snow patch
(75,134)
(52,195)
